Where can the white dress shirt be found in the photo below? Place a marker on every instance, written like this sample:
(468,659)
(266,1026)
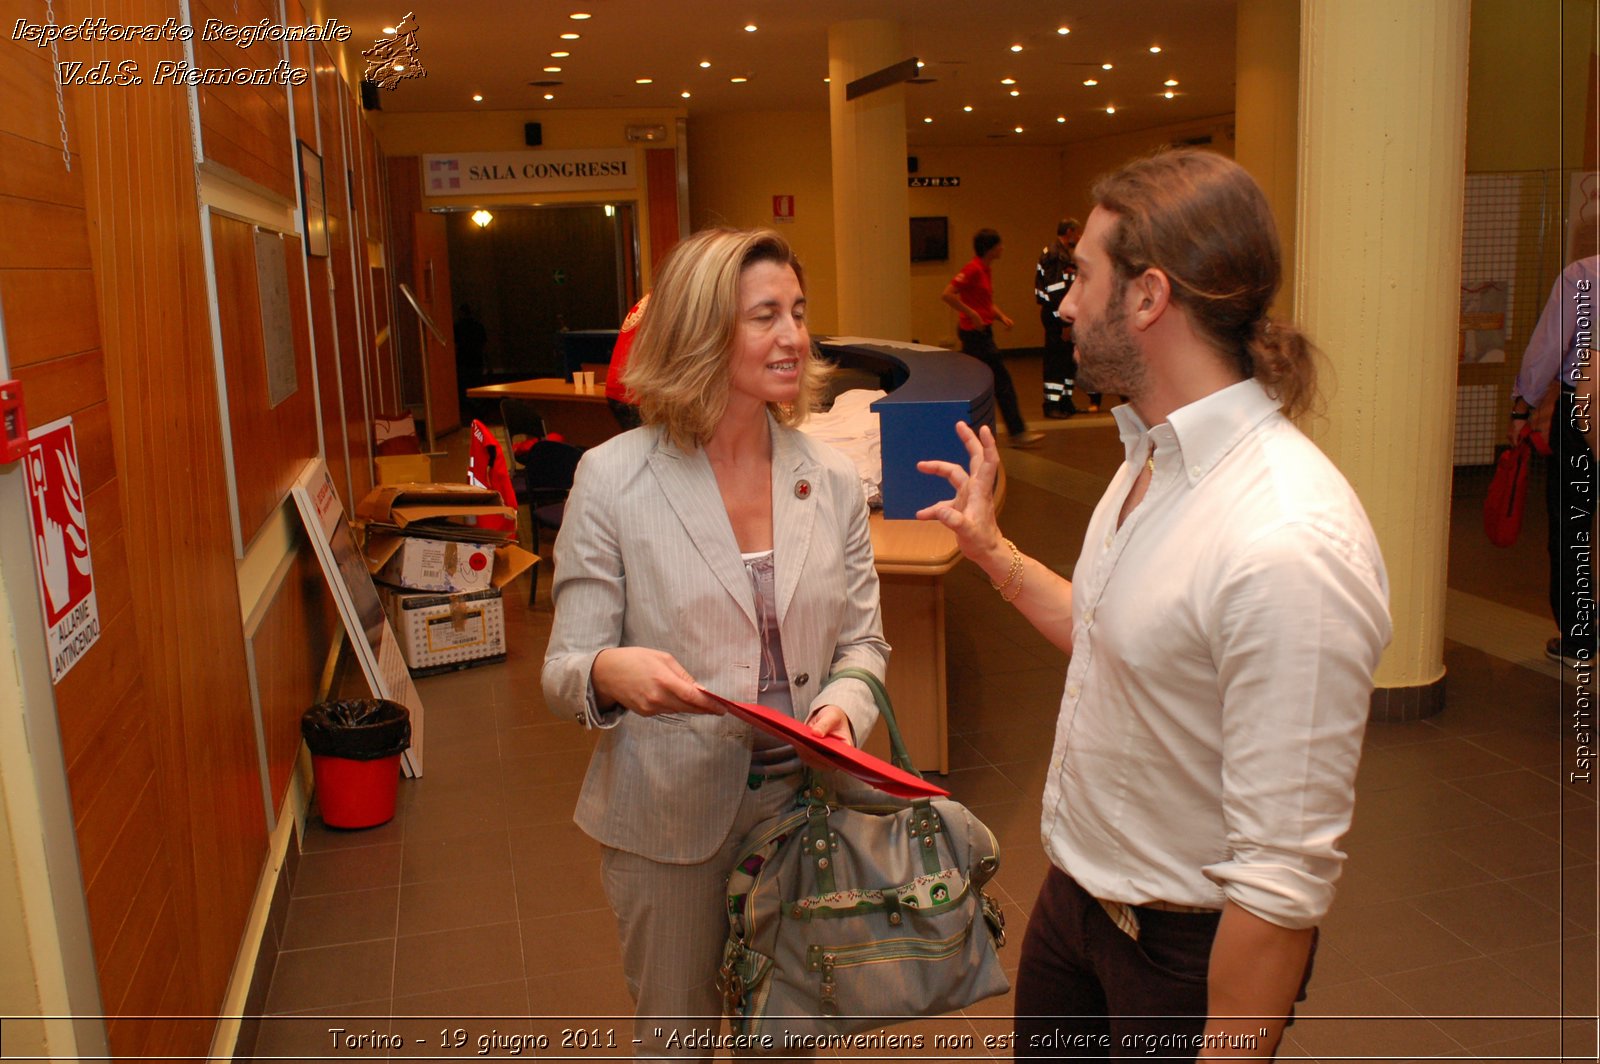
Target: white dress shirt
(1224,640)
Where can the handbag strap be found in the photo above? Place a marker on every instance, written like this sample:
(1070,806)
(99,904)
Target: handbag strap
(897,745)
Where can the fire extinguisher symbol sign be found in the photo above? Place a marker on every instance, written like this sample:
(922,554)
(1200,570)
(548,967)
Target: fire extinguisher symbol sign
(61,545)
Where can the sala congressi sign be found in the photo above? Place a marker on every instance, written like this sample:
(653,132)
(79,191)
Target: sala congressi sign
(473,173)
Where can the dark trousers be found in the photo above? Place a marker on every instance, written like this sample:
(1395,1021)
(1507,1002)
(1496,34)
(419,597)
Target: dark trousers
(1087,989)
(1569,503)
(979,343)
(1060,362)
(1059,366)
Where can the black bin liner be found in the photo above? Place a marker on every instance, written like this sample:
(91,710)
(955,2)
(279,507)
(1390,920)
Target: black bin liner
(357,729)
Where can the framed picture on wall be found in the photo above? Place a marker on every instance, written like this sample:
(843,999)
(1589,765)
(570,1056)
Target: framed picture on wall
(930,239)
(313,201)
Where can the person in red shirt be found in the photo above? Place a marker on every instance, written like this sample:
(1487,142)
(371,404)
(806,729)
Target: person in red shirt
(971,294)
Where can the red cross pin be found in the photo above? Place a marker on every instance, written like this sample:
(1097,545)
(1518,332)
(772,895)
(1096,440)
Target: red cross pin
(802,489)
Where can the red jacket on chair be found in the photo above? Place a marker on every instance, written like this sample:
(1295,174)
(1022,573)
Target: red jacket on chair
(487,468)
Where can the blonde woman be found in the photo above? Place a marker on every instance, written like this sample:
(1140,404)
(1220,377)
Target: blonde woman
(716,546)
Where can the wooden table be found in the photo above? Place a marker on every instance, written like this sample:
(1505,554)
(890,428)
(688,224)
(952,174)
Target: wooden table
(912,558)
(581,416)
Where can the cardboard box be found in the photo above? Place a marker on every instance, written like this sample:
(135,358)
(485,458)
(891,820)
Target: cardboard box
(404,468)
(442,632)
(442,507)
(448,566)
(441,565)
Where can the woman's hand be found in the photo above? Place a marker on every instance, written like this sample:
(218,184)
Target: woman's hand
(830,721)
(647,682)
(970,515)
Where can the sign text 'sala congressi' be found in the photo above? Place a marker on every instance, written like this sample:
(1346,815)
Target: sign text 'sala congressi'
(476,173)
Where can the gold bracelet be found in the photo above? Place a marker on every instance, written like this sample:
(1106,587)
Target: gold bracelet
(1013,596)
(1015,572)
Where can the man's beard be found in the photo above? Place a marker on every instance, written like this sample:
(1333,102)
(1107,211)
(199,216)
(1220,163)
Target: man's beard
(1108,359)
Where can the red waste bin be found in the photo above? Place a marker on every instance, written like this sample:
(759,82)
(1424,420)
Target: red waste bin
(355,758)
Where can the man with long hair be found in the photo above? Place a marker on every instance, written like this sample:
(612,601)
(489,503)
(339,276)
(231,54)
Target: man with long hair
(1224,619)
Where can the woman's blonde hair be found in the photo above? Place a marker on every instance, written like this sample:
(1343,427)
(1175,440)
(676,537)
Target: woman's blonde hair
(678,368)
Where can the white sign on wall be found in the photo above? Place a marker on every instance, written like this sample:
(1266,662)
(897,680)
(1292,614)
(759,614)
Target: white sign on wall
(61,545)
(480,172)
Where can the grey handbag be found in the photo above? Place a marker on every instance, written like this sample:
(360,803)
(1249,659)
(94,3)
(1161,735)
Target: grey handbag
(856,909)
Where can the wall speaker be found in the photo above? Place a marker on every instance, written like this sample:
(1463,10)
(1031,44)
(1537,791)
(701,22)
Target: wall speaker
(911,164)
(370,99)
(532,134)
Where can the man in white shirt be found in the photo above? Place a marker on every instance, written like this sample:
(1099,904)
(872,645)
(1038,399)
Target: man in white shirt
(1224,619)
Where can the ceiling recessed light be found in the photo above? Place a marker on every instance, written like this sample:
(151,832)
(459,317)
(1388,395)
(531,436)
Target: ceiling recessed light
(559,55)
(827,81)
(1170,82)
(579,16)
(1105,66)
(1018,129)
(927,118)
(705,64)
(477,97)
(1061,118)
(967,108)
(751,28)
(390,30)
(1008,81)
(1155,49)
(1016,92)
(684,94)
(920,64)
(1091,82)
(1063,31)
(644,81)
(552,70)
(569,36)
(738,81)
(1111,110)
(549,95)
(399,66)
(1169,94)
(1016,47)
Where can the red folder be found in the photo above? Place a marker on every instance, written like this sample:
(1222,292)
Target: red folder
(837,753)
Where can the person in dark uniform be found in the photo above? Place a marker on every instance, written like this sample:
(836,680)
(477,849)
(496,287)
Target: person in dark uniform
(1054,275)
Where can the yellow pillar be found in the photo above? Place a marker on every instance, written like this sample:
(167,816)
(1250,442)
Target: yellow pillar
(1382,162)
(870,203)
(1266,106)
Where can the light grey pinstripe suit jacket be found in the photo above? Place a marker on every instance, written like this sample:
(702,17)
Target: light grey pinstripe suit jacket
(646,557)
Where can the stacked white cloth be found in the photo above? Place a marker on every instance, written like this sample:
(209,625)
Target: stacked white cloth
(852,427)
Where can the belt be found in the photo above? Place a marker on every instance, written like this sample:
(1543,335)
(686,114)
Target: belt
(1126,916)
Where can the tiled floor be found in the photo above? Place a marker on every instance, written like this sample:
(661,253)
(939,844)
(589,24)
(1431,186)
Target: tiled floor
(1465,925)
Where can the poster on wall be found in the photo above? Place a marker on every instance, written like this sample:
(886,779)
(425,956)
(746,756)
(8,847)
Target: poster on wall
(365,623)
(313,199)
(61,545)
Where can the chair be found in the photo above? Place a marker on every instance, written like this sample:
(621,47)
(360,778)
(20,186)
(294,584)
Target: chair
(521,418)
(547,470)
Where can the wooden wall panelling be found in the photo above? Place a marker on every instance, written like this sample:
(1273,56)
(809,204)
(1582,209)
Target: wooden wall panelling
(357,433)
(661,184)
(290,644)
(405,198)
(184,668)
(51,314)
(385,389)
(244,127)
